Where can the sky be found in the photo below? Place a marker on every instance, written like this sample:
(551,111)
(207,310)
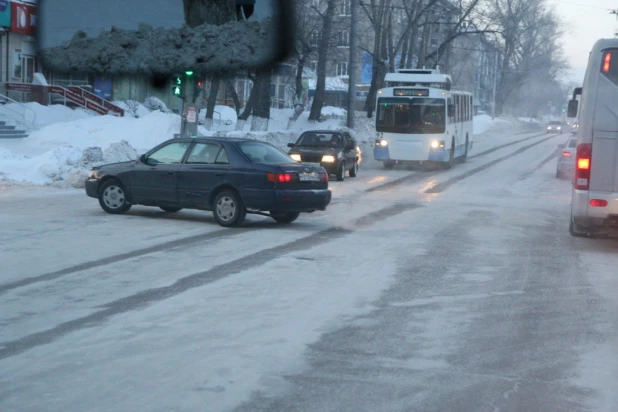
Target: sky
(59,20)
(586,21)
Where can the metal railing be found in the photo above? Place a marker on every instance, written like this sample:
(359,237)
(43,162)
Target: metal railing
(27,123)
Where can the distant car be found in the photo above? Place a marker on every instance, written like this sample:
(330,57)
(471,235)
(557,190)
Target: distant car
(555,127)
(231,177)
(334,150)
(566,159)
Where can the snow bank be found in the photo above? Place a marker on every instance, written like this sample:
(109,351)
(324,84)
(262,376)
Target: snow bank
(69,142)
(483,123)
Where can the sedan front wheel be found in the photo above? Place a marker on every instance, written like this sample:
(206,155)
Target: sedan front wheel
(112,198)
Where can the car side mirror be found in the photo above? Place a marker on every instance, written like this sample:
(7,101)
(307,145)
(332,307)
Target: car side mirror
(350,146)
(142,158)
(290,144)
(572,109)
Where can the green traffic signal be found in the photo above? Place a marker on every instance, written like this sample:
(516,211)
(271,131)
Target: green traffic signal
(189,72)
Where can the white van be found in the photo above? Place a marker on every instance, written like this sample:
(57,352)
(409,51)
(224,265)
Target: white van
(594,201)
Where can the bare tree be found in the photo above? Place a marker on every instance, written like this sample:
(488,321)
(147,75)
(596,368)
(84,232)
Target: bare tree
(529,42)
(261,108)
(306,25)
(323,47)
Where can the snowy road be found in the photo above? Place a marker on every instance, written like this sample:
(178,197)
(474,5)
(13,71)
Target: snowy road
(455,290)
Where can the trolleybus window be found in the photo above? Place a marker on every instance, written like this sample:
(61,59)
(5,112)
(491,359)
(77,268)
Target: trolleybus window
(417,115)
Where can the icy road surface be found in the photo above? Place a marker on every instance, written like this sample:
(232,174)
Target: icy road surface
(455,290)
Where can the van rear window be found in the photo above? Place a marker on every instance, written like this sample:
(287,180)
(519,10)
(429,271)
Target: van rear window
(609,65)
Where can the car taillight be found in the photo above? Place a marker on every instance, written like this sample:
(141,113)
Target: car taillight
(324,177)
(582,166)
(281,177)
(566,154)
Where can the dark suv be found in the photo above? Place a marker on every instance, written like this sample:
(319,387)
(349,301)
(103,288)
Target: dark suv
(334,150)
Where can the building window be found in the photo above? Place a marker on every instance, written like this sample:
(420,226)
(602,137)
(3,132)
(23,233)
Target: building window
(313,65)
(343,39)
(342,69)
(344,7)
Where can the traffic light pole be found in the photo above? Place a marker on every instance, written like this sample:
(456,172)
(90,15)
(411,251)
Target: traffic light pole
(182,116)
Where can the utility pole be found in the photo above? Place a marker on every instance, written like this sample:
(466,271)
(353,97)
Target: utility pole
(353,63)
(616,13)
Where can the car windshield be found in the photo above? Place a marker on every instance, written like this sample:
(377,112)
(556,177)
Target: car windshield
(321,139)
(416,115)
(259,152)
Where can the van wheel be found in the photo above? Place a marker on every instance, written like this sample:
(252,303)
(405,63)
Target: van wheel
(389,164)
(573,230)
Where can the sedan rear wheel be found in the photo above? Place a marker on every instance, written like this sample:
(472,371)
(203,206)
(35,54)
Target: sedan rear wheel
(228,210)
(285,217)
(112,198)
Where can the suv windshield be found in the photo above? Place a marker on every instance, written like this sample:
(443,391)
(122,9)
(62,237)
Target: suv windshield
(415,115)
(320,139)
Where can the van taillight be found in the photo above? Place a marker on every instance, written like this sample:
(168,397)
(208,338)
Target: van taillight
(607,61)
(582,166)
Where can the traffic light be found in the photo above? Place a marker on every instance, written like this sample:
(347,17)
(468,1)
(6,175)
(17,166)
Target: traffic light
(178,87)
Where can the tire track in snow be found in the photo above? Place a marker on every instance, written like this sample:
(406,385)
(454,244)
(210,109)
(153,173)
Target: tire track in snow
(417,177)
(149,296)
(408,179)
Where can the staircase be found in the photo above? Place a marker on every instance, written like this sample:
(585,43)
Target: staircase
(11,132)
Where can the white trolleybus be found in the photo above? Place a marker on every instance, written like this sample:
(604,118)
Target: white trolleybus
(420,119)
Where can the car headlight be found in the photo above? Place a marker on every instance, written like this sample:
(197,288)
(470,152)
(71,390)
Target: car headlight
(559,127)
(383,143)
(435,144)
(295,157)
(548,127)
(94,174)
(328,159)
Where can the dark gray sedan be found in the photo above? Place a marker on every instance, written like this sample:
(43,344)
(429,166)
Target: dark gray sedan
(231,177)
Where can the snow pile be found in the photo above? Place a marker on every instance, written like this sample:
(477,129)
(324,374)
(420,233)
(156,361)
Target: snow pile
(133,108)
(484,122)
(527,120)
(70,141)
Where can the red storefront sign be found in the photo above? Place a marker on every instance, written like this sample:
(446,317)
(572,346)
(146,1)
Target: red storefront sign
(23,18)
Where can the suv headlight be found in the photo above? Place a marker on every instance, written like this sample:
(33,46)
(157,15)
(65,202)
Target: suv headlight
(94,174)
(295,157)
(328,159)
